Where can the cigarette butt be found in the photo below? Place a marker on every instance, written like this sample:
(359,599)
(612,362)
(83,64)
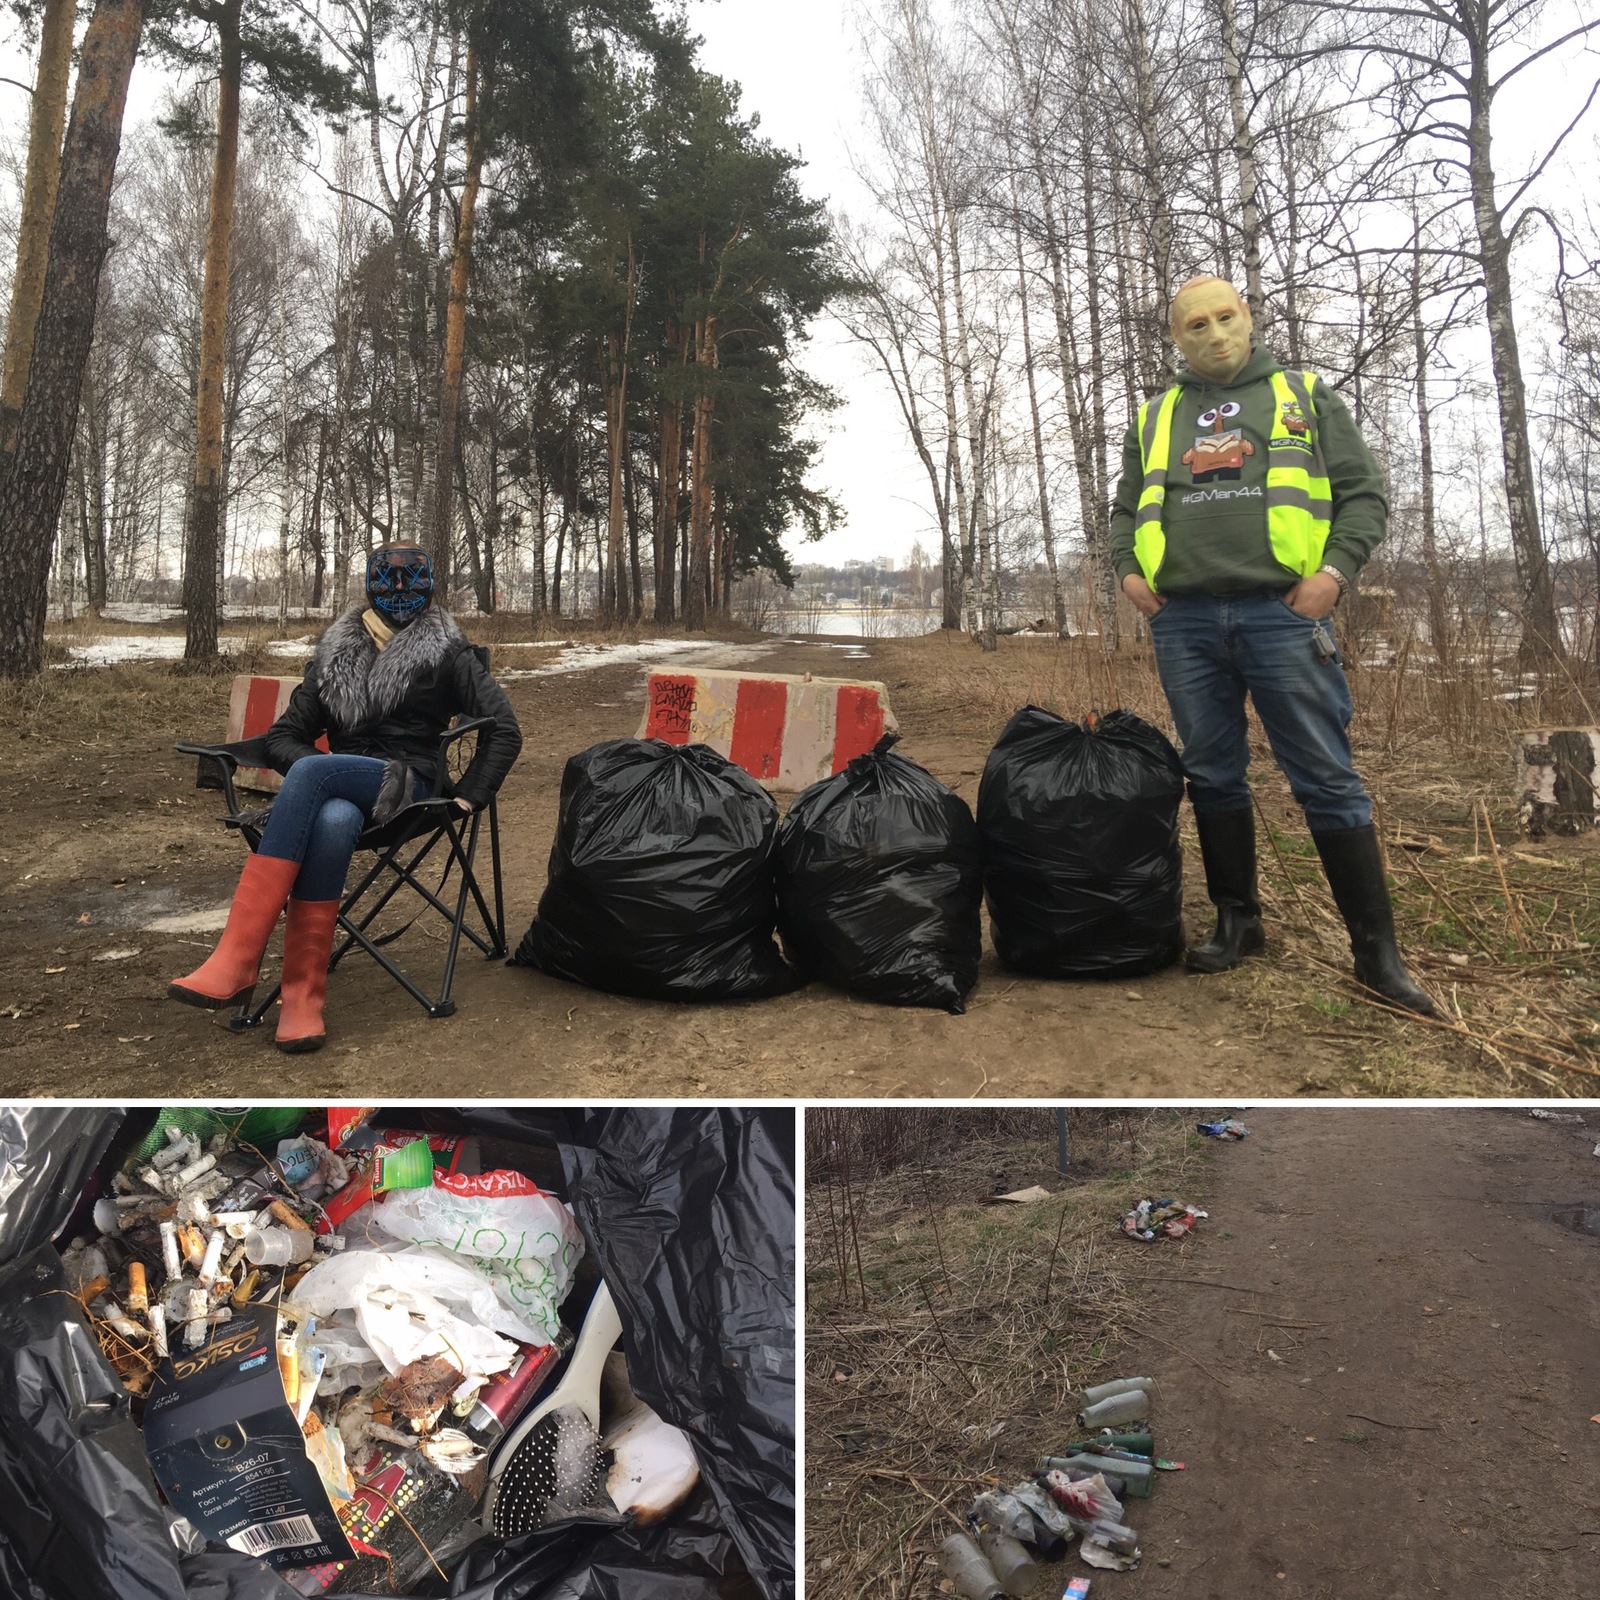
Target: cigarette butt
(93,1289)
(195,1169)
(235,1256)
(194,1244)
(157,1318)
(288,1216)
(138,1289)
(208,1265)
(169,1250)
(194,1322)
(241,1295)
(125,1325)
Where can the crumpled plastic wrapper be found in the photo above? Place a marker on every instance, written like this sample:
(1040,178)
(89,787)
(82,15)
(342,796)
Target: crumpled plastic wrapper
(411,1303)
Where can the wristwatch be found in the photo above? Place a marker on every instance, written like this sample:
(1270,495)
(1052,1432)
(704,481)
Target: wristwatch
(1338,577)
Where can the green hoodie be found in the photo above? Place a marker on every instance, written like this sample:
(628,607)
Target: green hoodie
(1217,528)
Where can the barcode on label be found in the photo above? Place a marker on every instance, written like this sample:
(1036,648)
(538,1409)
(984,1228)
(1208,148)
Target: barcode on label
(266,1537)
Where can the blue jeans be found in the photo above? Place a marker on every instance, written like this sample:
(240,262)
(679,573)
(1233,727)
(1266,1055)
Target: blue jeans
(1210,650)
(317,818)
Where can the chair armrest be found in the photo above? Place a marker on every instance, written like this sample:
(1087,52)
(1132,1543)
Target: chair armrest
(218,752)
(225,758)
(451,734)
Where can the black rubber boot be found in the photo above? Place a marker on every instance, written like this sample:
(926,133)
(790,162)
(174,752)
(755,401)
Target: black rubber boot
(1228,849)
(1354,865)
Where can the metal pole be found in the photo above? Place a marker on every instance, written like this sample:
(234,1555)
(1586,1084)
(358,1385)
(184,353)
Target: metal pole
(1061,1139)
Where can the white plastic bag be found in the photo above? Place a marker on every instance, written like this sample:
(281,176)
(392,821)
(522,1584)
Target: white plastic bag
(410,1303)
(524,1240)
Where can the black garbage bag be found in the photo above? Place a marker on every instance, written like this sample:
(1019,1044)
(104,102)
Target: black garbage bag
(880,883)
(699,1211)
(660,881)
(1081,861)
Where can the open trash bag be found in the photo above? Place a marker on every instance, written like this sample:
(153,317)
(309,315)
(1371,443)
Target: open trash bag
(880,885)
(660,880)
(688,1215)
(1082,865)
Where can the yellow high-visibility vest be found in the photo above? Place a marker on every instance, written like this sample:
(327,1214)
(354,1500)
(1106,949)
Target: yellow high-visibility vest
(1299,498)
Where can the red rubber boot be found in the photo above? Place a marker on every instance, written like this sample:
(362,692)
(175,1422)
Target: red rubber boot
(227,976)
(307,947)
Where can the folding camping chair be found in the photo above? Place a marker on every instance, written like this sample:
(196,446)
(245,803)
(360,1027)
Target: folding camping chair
(400,847)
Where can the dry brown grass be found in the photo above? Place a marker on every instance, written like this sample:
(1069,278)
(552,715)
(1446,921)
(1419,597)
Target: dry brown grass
(1501,929)
(944,1337)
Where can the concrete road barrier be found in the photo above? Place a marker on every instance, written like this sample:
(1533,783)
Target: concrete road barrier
(253,706)
(786,732)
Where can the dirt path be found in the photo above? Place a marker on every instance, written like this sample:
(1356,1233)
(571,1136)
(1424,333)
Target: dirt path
(1443,1305)
(115,870)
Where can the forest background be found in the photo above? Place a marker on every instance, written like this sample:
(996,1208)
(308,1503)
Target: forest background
(525,282)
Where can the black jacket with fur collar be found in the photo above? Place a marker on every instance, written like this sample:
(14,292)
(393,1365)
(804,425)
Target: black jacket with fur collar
(396,704)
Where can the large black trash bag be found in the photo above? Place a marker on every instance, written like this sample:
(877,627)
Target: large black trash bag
(660,881)
(690,1215)
(704,1283)
(880,883)
(1081,860)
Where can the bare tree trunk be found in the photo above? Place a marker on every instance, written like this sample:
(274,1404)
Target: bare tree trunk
(1159,211)
(433,313)
(319,554)
(92,463)
(33,475)
(46,118)
(286,477)
(669,472)
(1438,624)
(1244,149)
(455,336)
(203,545)
(1046,531)
(699,590)
(1541,631)
(616,604)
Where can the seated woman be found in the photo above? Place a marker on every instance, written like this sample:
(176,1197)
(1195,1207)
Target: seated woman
(385,682)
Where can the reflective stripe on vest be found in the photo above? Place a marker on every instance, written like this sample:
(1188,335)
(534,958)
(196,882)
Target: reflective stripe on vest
(1299,498)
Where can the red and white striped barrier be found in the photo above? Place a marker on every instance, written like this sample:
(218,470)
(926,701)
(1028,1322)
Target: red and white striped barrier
(785,732)
(254,705)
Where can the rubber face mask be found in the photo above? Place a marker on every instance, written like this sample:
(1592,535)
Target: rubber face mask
(1212,326)
(399,585)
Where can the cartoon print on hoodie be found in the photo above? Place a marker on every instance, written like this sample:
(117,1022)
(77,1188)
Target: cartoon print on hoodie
(1218,455)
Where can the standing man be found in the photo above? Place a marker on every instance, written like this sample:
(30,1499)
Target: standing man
(1248,504)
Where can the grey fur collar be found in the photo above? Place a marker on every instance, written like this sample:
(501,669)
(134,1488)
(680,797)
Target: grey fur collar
(359,685)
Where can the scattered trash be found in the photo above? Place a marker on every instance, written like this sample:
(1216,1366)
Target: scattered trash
(329,1335)
(1226,1129)
(968,1569)
(1104,1391)
(1169,1219)
(1017,1197)
(1076,1494)
(1082,869)
(1554,1116)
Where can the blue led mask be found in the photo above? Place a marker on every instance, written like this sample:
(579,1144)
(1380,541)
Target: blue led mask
(399,584)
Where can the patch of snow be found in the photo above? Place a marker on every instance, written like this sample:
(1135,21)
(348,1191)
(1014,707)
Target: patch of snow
(212,919)
(687,652)
(111,651)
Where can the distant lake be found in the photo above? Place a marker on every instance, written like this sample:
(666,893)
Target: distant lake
(889,623)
